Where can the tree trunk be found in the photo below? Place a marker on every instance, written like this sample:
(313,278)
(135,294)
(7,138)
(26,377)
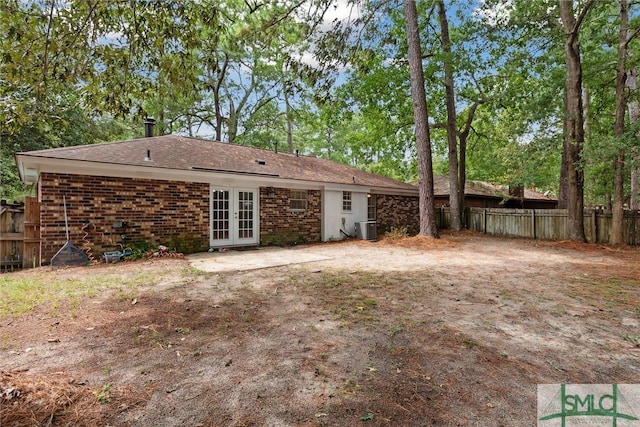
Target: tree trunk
(462,174)
(574,137)
(634,114)
(462,165)
(218,114)
(563,188)
(454,182)
(221,71)
(232,123)
(288,118)
(428,225)
(617,230)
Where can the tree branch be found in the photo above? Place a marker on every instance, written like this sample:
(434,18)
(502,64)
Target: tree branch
(578,22)
(633,36)
(45,66)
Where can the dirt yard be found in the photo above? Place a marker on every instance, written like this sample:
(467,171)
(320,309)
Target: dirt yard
(409,332)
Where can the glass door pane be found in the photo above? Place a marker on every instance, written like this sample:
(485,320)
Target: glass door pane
(245,205)
(220,224)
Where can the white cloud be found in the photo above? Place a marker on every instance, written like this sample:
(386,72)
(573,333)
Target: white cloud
(497,14)
(341,10)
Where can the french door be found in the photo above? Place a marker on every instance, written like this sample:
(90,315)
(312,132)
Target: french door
(234,217)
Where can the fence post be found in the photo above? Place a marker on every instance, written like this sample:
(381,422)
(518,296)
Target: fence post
(533,222)
(594,232)
(484,220)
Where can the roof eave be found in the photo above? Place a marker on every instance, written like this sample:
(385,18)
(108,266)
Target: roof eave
(38,164)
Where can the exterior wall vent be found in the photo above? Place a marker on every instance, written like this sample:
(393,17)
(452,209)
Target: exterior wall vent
(261,162)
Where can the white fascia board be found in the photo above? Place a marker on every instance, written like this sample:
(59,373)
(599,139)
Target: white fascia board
(347,187)
(371,190)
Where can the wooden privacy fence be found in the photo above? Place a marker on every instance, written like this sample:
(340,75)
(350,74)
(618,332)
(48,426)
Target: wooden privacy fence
(19,234)
(548,224)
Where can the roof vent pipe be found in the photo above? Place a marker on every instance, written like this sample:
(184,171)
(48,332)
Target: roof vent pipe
(276,146)
(297,153)
(148,157)
(149,123)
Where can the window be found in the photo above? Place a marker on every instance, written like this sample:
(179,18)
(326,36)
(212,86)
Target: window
(346,201)
(371,207)
(298,200)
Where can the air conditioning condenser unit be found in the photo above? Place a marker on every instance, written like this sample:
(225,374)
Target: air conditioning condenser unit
(366,230)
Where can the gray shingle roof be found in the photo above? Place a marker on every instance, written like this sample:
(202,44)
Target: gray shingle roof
(182,153)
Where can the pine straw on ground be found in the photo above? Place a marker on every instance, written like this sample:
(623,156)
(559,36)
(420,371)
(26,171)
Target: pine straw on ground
(419,242)
(57,399)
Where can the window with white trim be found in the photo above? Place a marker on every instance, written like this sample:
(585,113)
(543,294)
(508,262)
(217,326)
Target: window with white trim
(346,201)
(298,200)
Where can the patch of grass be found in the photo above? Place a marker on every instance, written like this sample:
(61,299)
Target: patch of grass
(558,310)
(350,387)
(192,272)
(149,336)
(396,328)
(611,292)
(370,302)
(103,394)
(330,279)
(471,343)
(633,339)
(21,294)
(222,279)
(505,295)
(4,340)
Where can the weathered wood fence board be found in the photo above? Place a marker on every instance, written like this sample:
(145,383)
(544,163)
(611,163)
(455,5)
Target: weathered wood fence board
(31,249)
(443,217)
(20,235)
(549,224)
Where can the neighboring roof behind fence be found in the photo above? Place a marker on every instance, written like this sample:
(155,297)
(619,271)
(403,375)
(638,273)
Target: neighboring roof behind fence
(484,189)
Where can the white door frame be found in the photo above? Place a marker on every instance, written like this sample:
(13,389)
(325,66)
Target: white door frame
(235,213)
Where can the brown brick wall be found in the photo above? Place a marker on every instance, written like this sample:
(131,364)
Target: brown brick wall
(397,212)
(175,214)
(280,226)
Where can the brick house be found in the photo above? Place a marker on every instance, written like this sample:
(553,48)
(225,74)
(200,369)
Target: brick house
(192,194)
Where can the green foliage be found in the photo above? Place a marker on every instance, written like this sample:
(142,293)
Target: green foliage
(138,250)
(58,120)
(187,244)
(103,394)
(369,416)
(284,238)
(69,69)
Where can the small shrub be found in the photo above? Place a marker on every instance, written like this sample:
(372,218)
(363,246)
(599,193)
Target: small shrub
(138,250)
(291,238)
